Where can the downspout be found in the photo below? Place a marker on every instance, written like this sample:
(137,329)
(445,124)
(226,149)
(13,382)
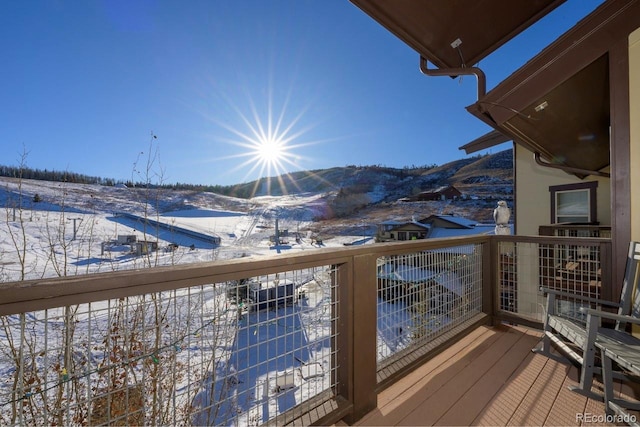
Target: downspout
(454,72)
(568,169)
(482,91)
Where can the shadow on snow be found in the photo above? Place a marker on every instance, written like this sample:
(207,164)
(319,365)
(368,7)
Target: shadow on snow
(268,344)
(168,235)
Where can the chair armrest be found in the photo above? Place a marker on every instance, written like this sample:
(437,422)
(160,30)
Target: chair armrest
(614,316)
(580,297)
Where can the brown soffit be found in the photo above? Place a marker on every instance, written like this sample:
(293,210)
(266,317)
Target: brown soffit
(487,140)
(558,104)
(456,33)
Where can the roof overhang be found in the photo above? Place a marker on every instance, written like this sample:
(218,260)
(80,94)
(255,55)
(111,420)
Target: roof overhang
(456,33)
(558,104)
(487,140)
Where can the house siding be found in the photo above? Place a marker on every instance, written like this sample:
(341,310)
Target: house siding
(634,111)
(532,183)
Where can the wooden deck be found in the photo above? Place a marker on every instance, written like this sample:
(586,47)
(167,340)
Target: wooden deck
(490,377)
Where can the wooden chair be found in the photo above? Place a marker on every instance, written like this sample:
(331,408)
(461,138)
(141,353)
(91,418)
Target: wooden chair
(626,355)
(570,333)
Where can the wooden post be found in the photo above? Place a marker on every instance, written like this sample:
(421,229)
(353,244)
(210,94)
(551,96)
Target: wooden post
(365,334)
(362,361)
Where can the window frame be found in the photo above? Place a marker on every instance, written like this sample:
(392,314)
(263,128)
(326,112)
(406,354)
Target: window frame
(590,186)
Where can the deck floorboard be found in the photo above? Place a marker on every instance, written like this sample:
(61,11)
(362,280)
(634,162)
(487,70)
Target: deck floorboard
(488,378)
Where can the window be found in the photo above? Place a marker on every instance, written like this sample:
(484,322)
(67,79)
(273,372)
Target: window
(574,203)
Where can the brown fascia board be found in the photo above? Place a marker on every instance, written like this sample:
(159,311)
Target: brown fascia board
(588,40)
(487,140)
(376,12)
(535,18)
(383,13)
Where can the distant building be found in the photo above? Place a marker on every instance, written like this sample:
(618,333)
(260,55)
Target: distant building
(431,227)
(421,288)
(143,247)
(271,294)
(409,231)
(448,221)
(384,230)
(447,192)
(126,239)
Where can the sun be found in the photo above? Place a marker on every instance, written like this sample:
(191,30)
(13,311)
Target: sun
(268,141)
(270,151)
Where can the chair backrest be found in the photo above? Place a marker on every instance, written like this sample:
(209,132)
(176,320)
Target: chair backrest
(628,304)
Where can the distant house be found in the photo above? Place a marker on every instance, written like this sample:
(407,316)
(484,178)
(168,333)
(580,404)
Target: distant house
(412,230)
(431,227)
(413,275)
(448,221)
(384,230)
(420,288)
(453,226)
(447,192)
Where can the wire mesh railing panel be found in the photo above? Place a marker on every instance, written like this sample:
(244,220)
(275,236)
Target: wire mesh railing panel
(232,353)
(422,295)
(526,269)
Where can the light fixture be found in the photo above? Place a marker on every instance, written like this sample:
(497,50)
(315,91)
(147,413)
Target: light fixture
(541,106)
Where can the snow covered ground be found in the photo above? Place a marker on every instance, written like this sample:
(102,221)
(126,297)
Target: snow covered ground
(71,229)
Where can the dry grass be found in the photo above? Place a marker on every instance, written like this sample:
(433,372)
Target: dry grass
(119,408)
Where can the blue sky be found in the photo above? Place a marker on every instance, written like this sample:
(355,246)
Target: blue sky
(85,84)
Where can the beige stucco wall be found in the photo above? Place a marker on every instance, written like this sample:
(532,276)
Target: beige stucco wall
(534,209)
(634,97)
(532,192)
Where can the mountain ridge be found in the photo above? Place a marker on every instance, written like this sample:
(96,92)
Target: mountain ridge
(335,200)
(481,176)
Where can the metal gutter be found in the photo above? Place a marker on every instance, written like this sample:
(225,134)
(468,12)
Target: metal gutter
(454,72)
(568,169)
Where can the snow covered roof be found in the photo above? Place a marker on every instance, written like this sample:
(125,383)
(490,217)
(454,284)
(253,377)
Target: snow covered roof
(454,220)
(441,190)
(405,273)
(411,224)
(391,222)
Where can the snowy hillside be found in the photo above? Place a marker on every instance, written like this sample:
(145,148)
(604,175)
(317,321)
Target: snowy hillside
(53,228)
(37,238)
(481,175)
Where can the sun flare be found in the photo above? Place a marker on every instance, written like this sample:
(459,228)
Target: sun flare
(269,140)
(270,151)
(269,143)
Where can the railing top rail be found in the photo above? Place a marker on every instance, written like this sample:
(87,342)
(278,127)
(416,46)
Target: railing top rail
(554,240)
(569,225)
(39,294)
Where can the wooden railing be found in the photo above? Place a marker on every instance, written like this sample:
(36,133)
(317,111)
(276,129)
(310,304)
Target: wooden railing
(296,337)
(575,230)
(580,266)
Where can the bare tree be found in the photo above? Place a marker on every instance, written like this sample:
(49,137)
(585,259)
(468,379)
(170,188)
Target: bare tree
(15,219)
